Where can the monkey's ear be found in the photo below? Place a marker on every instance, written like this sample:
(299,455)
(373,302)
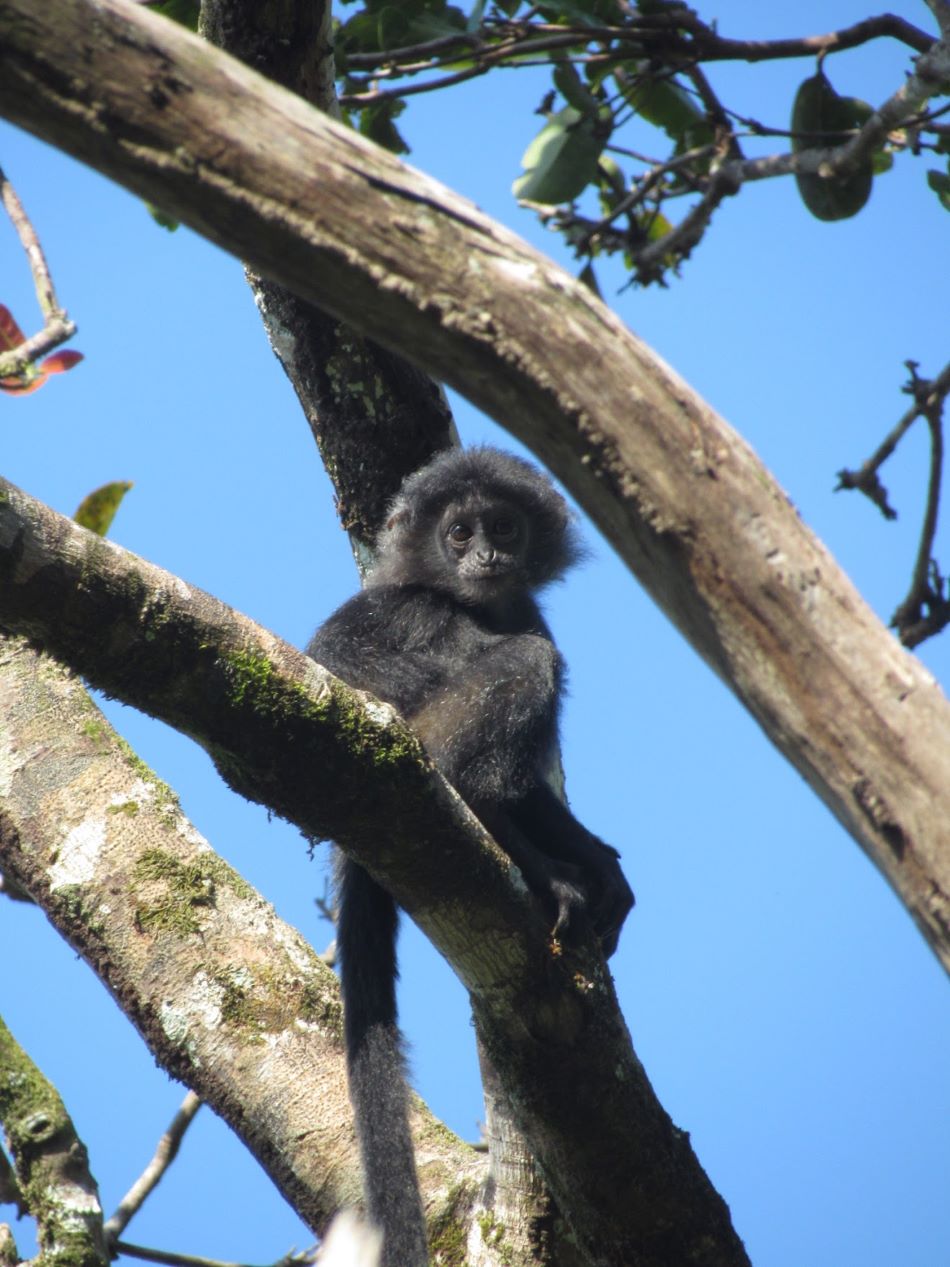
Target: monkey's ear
(400,515)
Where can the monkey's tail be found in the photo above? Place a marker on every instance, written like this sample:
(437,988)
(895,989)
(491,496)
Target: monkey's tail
(366,940)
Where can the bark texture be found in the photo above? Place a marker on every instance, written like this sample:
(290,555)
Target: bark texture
(229,998)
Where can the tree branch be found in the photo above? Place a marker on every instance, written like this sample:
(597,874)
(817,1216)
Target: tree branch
(52,1166)
(151,1176)
(229,999)
(57,327)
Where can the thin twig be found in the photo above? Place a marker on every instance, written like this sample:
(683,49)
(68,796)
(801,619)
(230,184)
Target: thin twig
(931,76)
(165,1154)
(57,327)
(651,179)
(927,585)
(49,306)
(703,40)
(865,479)
(651,260)
(172,1259)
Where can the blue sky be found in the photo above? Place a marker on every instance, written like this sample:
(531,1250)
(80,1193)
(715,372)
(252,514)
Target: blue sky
(786,1009)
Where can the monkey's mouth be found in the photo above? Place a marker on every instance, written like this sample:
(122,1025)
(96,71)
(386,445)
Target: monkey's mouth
(497,574)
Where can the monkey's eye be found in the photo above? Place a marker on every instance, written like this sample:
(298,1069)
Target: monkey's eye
(504,528)
(460,534)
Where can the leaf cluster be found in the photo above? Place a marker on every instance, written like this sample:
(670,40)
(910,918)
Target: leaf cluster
(615,68)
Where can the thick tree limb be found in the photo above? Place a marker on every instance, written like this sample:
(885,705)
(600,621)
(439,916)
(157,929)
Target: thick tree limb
(286,733)
(228,998)
(375,416)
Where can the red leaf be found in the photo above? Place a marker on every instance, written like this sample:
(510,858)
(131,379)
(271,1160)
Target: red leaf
(23,386)
(60,362)
(11,336)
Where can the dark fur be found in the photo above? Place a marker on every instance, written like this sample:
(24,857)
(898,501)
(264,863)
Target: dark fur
(447,630)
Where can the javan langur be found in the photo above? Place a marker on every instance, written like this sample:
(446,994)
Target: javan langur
(448,631)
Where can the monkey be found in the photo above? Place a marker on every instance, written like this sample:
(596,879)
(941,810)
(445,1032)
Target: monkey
(449,632)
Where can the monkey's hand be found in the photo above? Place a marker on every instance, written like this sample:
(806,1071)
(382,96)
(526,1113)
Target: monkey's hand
(589,865)
(610,896)
(595,896)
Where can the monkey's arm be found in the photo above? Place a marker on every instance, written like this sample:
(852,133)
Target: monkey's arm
(541,816)
(490,729)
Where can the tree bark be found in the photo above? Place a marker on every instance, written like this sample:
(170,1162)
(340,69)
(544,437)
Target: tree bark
(680,496)
(228,998)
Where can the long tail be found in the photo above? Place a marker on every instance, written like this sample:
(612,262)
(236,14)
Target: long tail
(366,938)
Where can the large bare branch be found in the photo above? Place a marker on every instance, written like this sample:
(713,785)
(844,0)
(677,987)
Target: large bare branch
(683,499)
(228,997)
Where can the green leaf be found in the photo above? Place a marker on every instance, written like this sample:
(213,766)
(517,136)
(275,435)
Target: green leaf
(97,511)
(382,25)
(581,12)
(589,278)
(561,161)
(821,119)
(940,184)
(665,104)
(183,11)
(162,218)
(377,123)
(573,89)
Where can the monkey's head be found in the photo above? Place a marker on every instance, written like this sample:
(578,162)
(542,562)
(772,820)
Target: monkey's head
(478,523)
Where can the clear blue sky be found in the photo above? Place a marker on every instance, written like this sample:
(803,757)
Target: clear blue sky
(788,1013)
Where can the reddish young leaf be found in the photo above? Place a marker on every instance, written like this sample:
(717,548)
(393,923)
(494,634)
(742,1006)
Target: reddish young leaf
(60,362)
(23,385)
(11,336)
(34,376)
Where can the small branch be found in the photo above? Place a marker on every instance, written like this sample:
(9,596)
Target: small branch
(50,1162)
(941,11)
(171,1259)
(703,40)
(165,1154)
(716,112)
(865,479)
(676,37)
(927,585)
(680,241)
(360,99)
(932,76)
(56,331)
(57,327)
(49,306)
(712,47)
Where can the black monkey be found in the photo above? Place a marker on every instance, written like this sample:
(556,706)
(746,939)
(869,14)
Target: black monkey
(447,631)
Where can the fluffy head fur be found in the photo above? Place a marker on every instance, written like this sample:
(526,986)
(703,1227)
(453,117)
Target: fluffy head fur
(473,479)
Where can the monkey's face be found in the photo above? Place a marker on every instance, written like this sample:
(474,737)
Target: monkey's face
(484,545)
